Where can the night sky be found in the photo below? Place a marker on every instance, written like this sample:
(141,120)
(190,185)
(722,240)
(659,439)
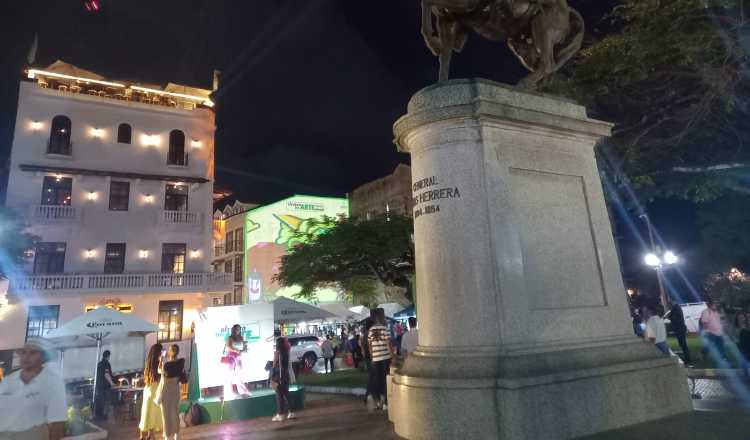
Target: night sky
(310,89)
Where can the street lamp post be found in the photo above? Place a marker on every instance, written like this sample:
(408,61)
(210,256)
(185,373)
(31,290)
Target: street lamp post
(657,262)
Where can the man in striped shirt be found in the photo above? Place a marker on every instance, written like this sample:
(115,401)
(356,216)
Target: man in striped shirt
(381,351)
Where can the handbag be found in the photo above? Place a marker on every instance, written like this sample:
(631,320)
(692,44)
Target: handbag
(226,358)
(157,398)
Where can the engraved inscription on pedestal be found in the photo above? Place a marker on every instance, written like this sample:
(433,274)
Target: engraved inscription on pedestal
(558,242)
(428,193)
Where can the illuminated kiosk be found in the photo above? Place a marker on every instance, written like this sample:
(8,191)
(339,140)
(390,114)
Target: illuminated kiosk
(257,321)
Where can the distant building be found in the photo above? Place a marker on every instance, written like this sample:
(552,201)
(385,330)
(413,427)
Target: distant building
(391,193)
(249,241)
(116,179)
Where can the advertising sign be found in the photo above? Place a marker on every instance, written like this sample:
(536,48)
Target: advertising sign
(211,335)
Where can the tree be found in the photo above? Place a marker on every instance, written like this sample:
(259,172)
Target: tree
(731,289)
(14,242)
(354,256)
(671,75)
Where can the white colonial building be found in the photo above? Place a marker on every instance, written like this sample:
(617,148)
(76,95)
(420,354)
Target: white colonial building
(116,180)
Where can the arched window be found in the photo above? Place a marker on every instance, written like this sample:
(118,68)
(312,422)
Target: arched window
(124,132)
(59,137)
(176,155)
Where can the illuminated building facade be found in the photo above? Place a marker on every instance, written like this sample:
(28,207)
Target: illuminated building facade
(389,194)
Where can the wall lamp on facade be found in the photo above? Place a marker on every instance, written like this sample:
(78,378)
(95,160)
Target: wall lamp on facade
(143,253)
(195,253)
(195,143)
(92,195)
(58,177)
(36,125)
(97,132)
(148,198)
(151,140)
(89,253)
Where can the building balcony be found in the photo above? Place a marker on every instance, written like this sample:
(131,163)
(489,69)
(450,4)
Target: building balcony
(54,214)
(180,218)
(219,248)
(124,282)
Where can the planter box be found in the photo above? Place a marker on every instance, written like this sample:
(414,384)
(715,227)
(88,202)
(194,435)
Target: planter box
(95,433)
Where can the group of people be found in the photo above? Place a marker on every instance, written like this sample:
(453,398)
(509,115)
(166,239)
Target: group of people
(162,375)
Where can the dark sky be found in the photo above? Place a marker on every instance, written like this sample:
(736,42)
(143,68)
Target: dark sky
(310,88)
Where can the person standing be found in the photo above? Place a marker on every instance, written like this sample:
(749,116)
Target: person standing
(355,350)
(410,340)
(677,321)
(104,382)
(32,399)
(656,332)
(326,349)
(233,350)
(280,377)
(713,331)
(742,339)
(172,374)
(381,351)
(151,420)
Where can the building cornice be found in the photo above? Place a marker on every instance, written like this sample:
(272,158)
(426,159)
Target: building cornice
(119,174)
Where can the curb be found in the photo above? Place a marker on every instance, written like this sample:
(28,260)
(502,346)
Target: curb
(335,390)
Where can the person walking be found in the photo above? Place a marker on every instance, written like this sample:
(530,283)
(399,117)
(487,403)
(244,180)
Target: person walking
(104,383)
(677,321)
(742,339)
(172,374)
(410,340)
(151,419)
(381,350)
(32,399)
(656,332)
(233,349)
(712,332)
(355,350)
(280,380)
(326,349)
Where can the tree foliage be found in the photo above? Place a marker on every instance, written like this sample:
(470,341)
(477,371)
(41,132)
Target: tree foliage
(731,289)
(355,256)
(672,75)
(14,242)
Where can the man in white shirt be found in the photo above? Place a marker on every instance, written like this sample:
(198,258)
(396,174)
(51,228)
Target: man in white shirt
(410,339)
(32,400)
(656,331)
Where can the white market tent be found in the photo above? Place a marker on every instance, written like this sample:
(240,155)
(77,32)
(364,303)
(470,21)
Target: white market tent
(92,327)
(288,310)
(391,309)
(343,312)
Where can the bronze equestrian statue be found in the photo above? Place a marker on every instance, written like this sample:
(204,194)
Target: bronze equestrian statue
(543,34)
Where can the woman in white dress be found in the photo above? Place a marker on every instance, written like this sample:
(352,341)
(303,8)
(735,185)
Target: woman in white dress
(232,358)
(151,420)
(172,374)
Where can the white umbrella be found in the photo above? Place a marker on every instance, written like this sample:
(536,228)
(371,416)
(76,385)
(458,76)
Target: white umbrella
(391,309)
(342,312)
(363,311)
(98,324)
(287,310)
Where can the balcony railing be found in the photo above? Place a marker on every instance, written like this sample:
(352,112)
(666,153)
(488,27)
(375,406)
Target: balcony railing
(53,213)
(133,282)
(177,159)
(219,248)
(189,218)
(59,147)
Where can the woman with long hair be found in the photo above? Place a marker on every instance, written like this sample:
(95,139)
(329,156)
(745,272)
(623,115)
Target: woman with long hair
(172,373)
(151,420)
(233,350)
(280,376)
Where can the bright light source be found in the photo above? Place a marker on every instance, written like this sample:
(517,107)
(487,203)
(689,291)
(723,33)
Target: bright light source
(33,72)
(148,198)
(670,257)
(92,195)
(90,253)
(36,125)
(58,177)
(652,260)
(97,132)
(195,253)
(195,143)
(143,253)
(151,140)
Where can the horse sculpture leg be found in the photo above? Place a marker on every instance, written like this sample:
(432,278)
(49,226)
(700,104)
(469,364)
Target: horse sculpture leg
(446,32)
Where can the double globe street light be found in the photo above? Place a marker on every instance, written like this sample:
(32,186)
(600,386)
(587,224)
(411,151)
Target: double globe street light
(659,263)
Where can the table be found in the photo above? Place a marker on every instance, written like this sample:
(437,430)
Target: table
(128,402)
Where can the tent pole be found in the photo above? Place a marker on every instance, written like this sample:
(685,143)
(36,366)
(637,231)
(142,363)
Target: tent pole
(96,365)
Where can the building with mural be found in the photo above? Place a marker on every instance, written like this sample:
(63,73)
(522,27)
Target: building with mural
(254,240)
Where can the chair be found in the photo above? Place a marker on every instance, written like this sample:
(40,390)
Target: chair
(75,89)
(62,87)
(91,92)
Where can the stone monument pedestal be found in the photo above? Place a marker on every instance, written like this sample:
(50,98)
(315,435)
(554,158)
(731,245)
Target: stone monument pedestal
(524,328)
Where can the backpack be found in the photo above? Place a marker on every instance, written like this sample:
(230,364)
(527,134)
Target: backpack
(193,415)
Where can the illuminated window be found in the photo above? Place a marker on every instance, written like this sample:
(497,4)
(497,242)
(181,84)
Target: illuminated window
(238,269)
(49,257)
(59,137)
(170,321)
(228,266)
(124,133)
(57,190)
(41,320)
(176,197)
(114,258)
(176,154)
(173,257)
(238,295)
(229,241)
(119,196)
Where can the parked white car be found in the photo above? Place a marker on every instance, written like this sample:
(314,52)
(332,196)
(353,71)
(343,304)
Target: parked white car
(305,348)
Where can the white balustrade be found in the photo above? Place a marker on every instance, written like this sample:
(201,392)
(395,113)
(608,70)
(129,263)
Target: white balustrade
(134,282)
(181,218)
(53,213)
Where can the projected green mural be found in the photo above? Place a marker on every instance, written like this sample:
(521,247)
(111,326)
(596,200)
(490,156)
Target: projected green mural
(272,229)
